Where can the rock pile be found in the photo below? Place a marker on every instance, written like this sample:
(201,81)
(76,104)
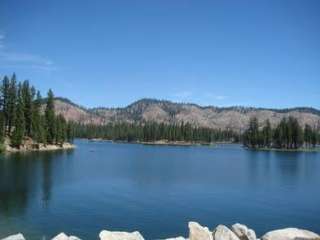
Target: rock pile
(197,232)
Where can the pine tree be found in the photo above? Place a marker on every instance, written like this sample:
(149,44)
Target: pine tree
(2,128)
(297,134)
(5,96)
(267,134)
(50,119)
(27,99)
(251,138)
(19,129)
(60,129)
(37,123)
(12,99)
(70,133)
(307,135)
(42,137)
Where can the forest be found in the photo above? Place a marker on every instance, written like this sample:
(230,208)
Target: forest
(151,131)
(22,116)
(288,134)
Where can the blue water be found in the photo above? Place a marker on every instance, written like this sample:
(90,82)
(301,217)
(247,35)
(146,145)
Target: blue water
(156,190)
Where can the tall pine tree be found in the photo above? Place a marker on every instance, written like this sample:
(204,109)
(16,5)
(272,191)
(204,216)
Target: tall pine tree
(19,129)
(12,100)
(50,118)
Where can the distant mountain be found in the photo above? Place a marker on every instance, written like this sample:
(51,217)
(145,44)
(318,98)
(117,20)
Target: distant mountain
(164,111)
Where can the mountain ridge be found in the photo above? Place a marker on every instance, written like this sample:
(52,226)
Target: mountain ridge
(165,111)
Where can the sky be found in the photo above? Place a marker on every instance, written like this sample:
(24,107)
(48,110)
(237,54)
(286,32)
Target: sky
(262,53)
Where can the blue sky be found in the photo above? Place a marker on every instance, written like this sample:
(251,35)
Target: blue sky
(262,53)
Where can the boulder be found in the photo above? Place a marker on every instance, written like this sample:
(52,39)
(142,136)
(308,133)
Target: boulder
(198,232)
(176,238)
(74,238)
(290,234)
(63,236)
(223,233)
(243,232)
(18,236)
(108,235)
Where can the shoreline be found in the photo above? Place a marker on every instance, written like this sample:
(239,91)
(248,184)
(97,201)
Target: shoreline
(316,149)
(198,232)
(160,142)
(40,148)
(212,144)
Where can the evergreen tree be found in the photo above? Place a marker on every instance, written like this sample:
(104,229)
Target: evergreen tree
(38,126)
(251,138)
(287,134)
(5,97)
(2,128)
(267,134)
(42,137)
(61,128)
(27,99)
(50,119)
(70,132)
(12,99)
(19,129)
(297,134)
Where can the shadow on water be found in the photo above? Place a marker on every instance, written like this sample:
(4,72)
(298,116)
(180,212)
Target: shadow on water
(23,176)
(285,166)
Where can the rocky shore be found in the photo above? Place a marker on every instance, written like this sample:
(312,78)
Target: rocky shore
(29,145)
(197,232)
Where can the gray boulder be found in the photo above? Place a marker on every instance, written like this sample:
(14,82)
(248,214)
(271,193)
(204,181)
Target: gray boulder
(18,236)
(198,232)
(291,234)
(243,232)
(108,235)
(176,238)
(223,233)
(63,236)
(74,238)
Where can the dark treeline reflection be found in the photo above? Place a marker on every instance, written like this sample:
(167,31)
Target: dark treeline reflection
(25,176)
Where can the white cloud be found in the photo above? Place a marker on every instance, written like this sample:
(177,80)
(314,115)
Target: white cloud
(1,40)
(220,97)
(215,96)
(183,94)
(23,60)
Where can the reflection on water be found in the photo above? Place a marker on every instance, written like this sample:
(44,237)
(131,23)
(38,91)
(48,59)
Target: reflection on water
(23,177)
(156,189)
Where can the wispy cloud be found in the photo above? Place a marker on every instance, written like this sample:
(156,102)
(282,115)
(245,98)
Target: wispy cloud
(204,98)
(218,97)
(182,95)
(221,97)
(1,40)
(23,60)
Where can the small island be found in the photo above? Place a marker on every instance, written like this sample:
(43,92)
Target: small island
(28,122)
(288,135)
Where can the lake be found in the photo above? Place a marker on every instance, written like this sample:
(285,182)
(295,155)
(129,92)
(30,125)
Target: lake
(156,190)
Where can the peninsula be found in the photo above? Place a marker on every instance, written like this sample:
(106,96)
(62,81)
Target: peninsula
(27,122)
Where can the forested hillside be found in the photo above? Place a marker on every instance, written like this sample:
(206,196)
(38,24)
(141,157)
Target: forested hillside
(158,111)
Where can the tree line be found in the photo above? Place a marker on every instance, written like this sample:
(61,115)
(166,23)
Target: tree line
(288,134)
(151,131)
(22,115)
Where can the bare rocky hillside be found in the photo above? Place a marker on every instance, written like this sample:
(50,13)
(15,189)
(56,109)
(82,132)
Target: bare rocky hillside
(159,111)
